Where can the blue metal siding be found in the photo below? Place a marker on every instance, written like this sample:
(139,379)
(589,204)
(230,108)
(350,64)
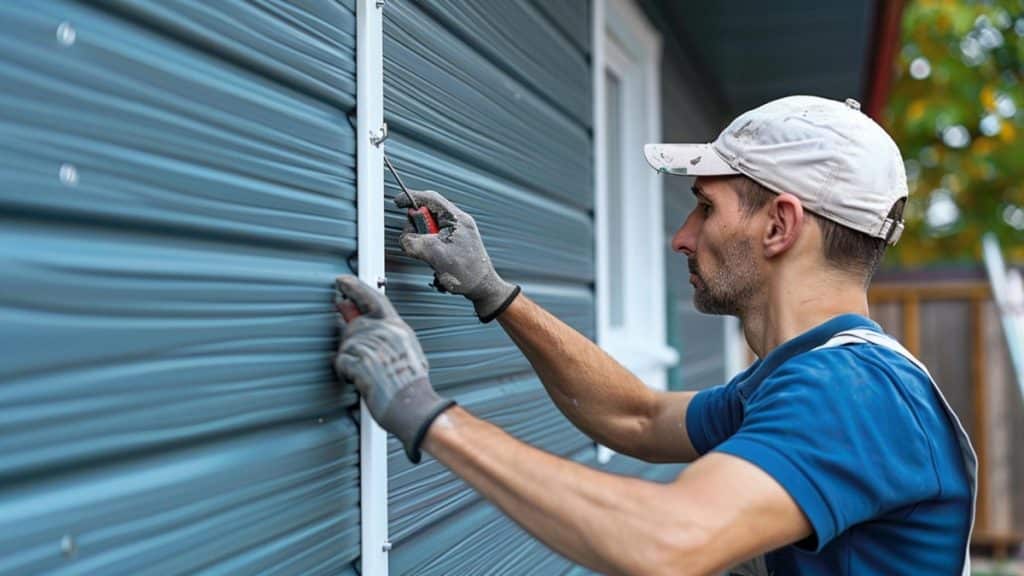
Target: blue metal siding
(492,106)
(441,91)
(166,397)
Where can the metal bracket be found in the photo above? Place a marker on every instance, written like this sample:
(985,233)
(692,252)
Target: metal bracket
(380,3)
(380,135)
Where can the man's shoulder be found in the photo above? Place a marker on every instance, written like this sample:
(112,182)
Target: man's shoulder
(840,371)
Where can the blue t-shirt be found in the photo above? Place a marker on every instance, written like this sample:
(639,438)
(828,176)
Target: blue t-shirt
(860,440)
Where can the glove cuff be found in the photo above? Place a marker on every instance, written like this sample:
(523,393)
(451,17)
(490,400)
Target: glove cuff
(412,412)
(492,308)
(412,450)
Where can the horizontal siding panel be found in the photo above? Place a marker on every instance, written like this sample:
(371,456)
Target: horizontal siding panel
(517,36)
(458,346)
(427,493)
(308,45)
(177,191)
(526,234)
(573,17)
(491,107)
(139,340)
(162,135)
(478,541)
(282,501)
(440,91)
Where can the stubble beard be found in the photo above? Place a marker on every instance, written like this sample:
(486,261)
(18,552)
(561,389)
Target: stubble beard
(729,289)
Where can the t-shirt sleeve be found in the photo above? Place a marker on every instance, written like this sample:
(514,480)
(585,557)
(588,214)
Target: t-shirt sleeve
(713,415)
(839,437)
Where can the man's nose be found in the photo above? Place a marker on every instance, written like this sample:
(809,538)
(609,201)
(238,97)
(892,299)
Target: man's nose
(685,238)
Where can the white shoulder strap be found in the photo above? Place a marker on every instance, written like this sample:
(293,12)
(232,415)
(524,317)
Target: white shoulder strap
(864,335)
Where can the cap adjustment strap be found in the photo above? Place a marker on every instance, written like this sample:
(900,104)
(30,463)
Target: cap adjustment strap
(892,230)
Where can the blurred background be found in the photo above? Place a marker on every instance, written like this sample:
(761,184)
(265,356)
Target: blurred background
(953,109)
(954,88)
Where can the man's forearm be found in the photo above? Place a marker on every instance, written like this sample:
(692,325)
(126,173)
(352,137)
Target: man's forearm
(594,391)
(612,524)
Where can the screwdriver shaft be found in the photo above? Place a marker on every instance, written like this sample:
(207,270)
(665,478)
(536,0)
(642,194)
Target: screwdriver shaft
(401,184)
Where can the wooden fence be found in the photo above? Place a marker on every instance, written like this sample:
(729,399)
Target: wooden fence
(953,327)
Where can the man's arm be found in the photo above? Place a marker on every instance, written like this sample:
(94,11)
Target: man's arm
(594,391)
(600,396)
(720,511)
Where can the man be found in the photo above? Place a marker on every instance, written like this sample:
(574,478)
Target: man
(834,453)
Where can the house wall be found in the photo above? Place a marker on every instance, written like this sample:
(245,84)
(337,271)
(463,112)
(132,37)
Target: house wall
(492,107)
(176,191)
(178,194)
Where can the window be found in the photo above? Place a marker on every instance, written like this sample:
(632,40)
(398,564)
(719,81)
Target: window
(630,284)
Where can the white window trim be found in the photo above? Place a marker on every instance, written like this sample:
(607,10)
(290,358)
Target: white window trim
(642,344)
(373,440)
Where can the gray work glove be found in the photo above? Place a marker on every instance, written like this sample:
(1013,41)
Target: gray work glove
(380,354)
(457,255)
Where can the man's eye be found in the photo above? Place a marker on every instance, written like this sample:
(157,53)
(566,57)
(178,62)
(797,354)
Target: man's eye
(705,208)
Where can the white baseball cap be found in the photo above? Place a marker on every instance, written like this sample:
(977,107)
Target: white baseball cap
(840,163)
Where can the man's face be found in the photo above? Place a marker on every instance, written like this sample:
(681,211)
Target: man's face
(719,242)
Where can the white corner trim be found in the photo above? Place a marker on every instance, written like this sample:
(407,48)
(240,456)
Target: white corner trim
(373,441)
(625,41)
(601,298)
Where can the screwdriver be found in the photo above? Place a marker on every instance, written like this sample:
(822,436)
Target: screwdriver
(420,216)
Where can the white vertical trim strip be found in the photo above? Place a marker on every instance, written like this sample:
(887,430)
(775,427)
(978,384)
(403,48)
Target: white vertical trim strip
(373,446)
(601,302)
(627,44)
(597,36)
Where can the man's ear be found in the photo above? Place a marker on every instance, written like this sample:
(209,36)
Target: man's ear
(785,223)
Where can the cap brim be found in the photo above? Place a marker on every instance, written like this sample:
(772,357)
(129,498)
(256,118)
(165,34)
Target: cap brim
(687,160)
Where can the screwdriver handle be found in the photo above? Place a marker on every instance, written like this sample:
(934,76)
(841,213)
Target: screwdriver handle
(423,220)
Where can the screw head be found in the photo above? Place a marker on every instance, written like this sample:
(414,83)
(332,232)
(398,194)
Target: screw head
(69,174)
(66,34)
(67,545)
(382,282)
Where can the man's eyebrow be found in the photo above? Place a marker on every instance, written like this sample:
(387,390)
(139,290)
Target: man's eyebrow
(699,193)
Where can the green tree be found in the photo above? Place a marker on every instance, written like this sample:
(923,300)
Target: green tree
(953,112)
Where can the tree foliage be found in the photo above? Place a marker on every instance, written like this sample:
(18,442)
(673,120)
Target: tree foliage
(953,112)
